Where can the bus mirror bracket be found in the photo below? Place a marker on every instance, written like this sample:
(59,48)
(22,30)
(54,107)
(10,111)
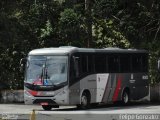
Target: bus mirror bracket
(22,64)
(158,65)
(76,66)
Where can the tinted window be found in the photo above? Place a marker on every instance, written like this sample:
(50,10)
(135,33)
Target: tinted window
(125,63)
(100,63)
(84,65)
(113,64)
(136,63)
(90,63)
(144,63)
(75,67)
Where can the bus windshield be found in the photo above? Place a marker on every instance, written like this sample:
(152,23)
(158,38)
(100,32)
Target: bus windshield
(46,70)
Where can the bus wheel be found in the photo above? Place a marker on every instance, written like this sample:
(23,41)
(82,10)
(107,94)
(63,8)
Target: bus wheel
(125,98)
(85,101)
(47,107)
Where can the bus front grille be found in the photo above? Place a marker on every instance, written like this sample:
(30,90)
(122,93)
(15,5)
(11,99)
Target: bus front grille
(49,101)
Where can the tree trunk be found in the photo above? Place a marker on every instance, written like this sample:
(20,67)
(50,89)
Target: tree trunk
(89,23)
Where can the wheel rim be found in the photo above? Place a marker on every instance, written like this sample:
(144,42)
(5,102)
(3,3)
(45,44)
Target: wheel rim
(125,98)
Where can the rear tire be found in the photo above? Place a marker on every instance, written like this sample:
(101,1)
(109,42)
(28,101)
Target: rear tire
(125,98)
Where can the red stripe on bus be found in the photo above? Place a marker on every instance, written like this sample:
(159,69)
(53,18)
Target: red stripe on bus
(34,93)
(117,90)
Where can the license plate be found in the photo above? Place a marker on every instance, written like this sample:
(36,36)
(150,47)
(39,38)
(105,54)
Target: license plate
(44,103)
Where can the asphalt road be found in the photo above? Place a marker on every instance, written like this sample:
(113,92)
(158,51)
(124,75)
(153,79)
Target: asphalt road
(103,112)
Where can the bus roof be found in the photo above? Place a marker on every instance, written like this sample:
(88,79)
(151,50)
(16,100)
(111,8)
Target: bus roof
(69,49)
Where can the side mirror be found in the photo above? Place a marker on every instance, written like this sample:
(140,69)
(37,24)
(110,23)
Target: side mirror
(76,66)
(158,65)
(22,64)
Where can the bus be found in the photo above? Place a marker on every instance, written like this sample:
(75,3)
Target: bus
(84,76)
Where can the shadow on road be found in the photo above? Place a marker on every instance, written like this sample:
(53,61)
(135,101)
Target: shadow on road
(109,107)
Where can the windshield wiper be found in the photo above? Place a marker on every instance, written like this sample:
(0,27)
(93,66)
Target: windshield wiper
(43,75)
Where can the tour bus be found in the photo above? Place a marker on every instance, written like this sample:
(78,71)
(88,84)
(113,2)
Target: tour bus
(84,76)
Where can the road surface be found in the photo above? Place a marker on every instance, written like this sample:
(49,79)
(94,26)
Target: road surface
(133,111)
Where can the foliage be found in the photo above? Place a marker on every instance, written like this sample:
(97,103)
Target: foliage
(71,28)
(106,34)
(28,24)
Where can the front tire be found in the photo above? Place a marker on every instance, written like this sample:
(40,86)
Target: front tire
(47,107)
(85,101)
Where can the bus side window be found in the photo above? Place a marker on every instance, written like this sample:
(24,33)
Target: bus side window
(100,63)
(136,63)
(144,63)
(125,66)
(76,62)
(84,61)
(90,64)
(113,64)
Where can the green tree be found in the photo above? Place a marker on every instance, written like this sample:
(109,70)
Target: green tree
(28,24)
(106,34)
(71,28)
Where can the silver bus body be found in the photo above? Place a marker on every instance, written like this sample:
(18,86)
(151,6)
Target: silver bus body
(101,86)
